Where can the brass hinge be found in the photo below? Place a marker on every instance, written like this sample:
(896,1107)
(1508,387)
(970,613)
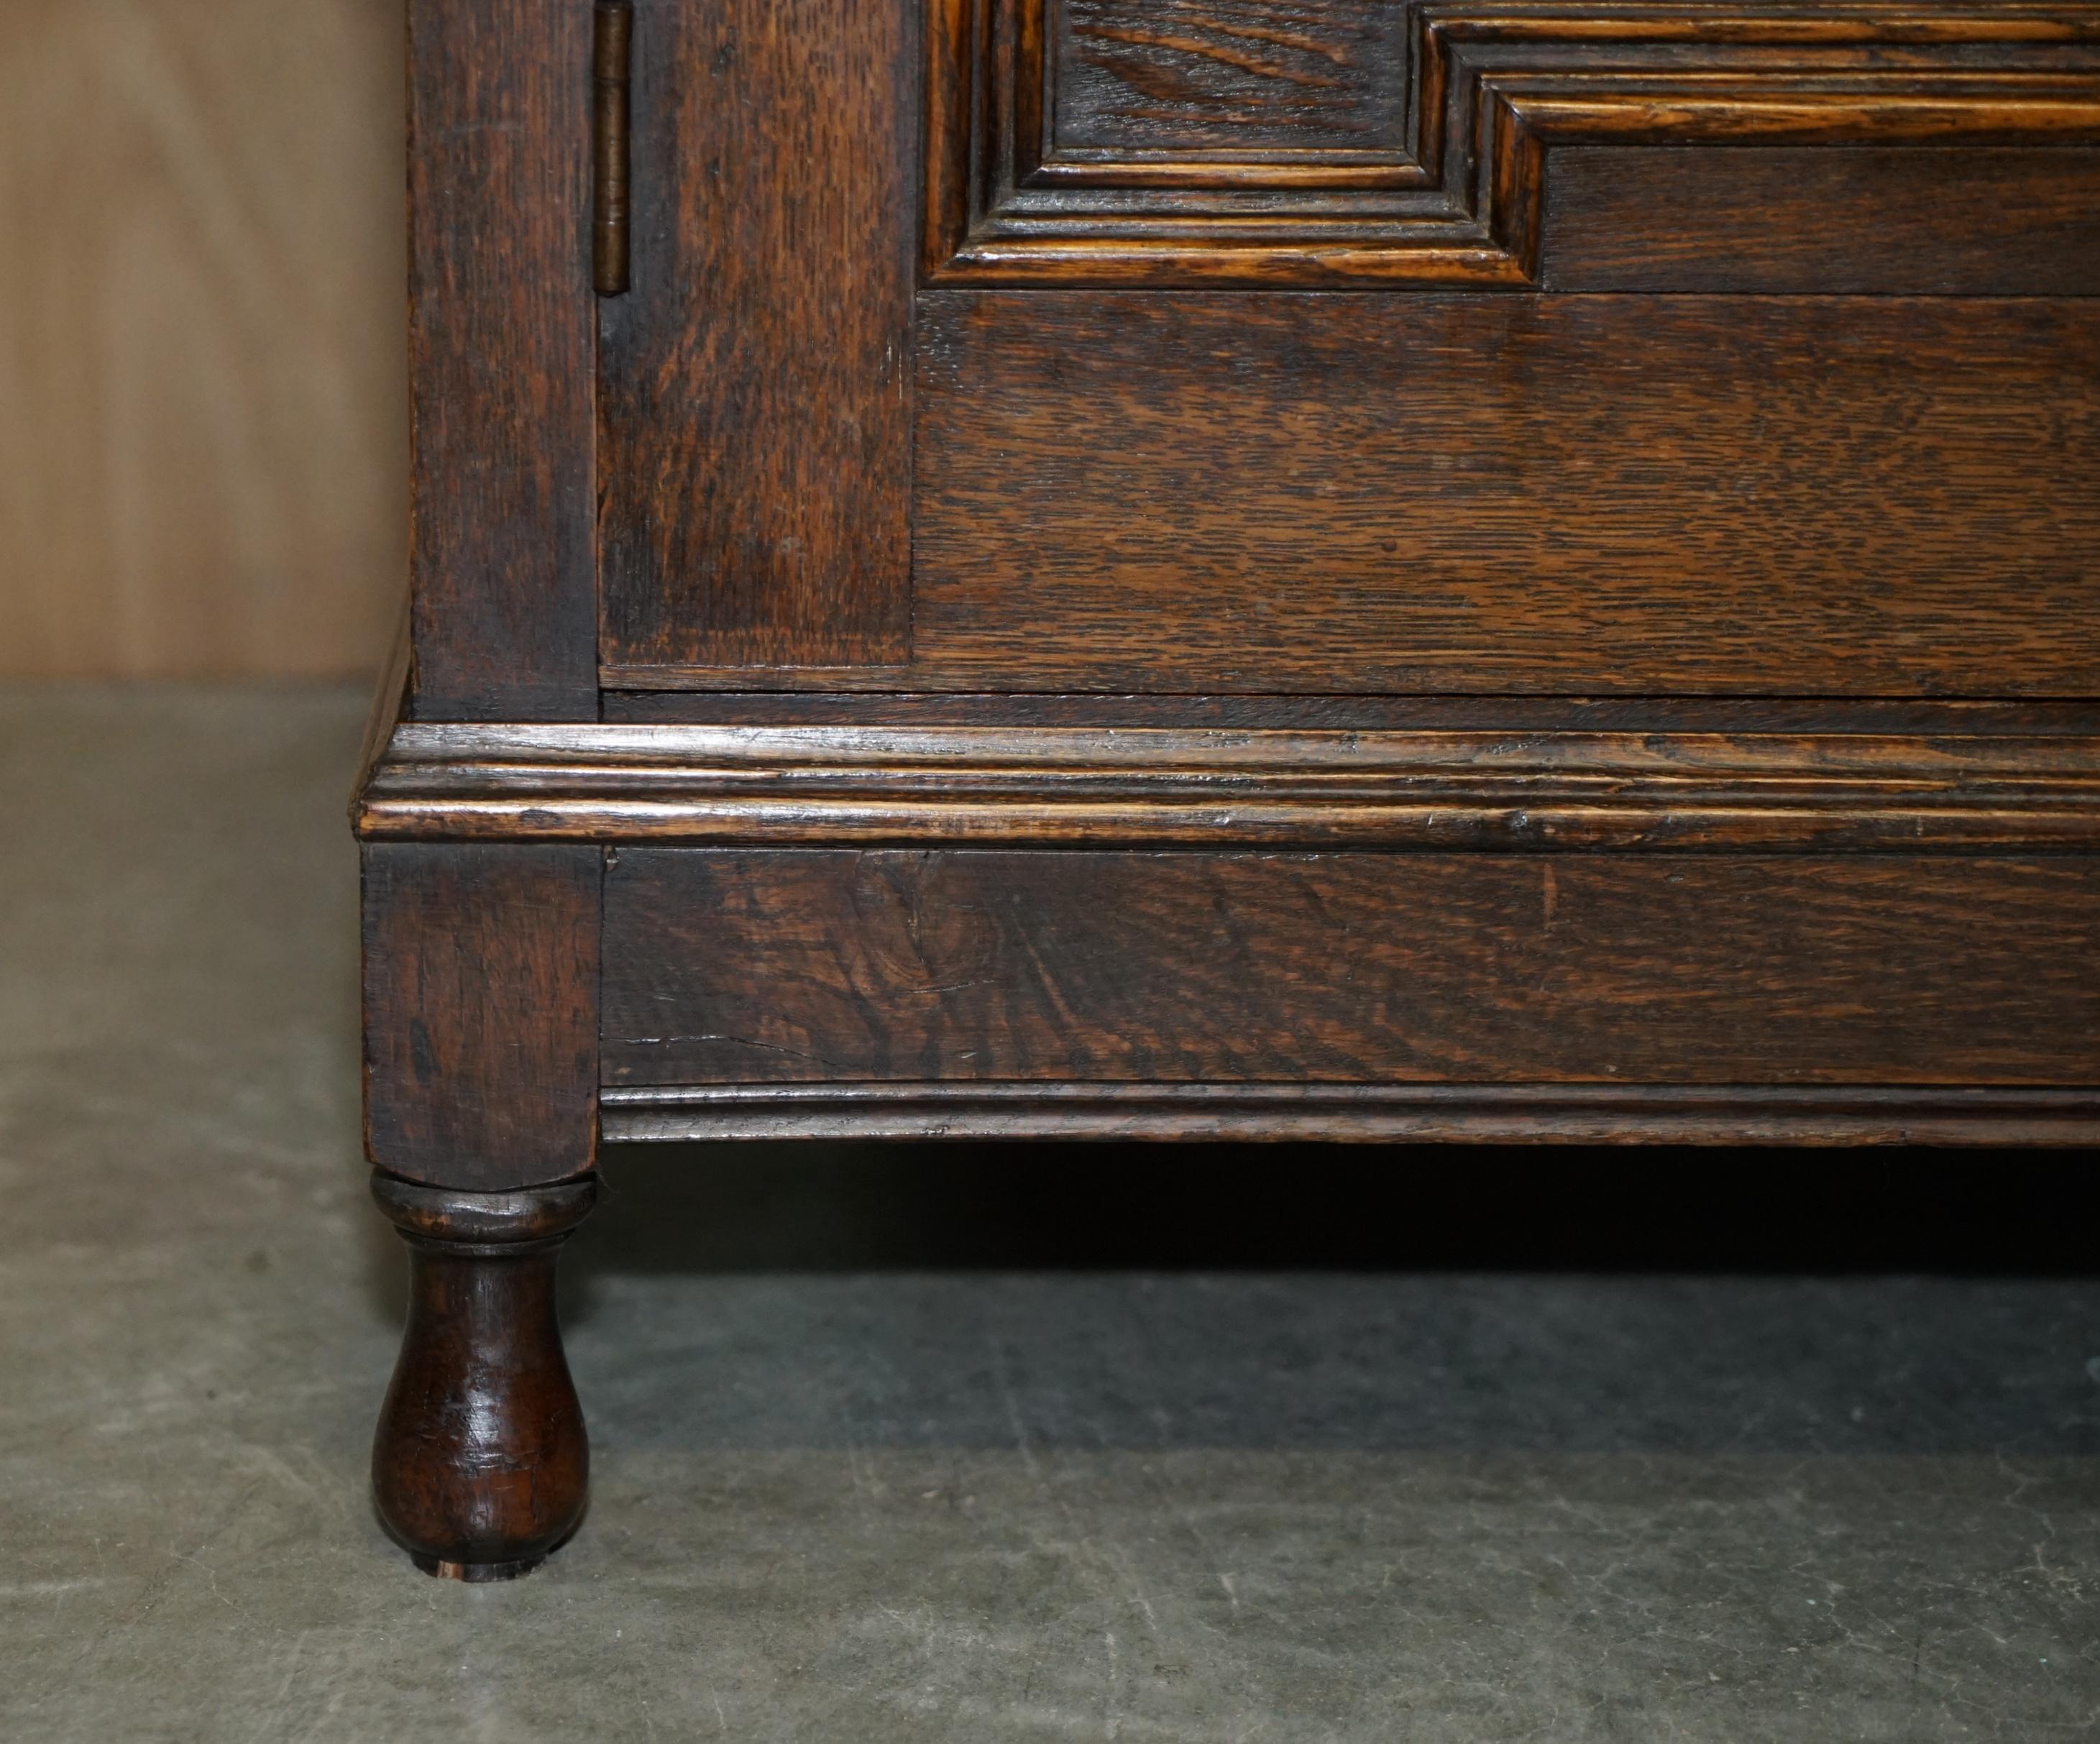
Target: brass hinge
(612,47)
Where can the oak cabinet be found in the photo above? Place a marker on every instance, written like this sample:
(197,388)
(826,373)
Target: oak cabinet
(1179,568)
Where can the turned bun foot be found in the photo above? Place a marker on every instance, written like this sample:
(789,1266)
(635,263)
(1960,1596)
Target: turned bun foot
(481,1465)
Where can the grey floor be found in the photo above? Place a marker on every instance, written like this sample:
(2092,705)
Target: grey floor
(843,1495)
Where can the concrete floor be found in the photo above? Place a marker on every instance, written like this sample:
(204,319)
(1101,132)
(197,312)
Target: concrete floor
(845,1494)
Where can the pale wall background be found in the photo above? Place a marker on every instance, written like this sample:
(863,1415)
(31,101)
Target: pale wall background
(203,419)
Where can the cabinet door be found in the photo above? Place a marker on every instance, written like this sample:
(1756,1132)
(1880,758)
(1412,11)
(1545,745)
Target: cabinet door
(1330,346)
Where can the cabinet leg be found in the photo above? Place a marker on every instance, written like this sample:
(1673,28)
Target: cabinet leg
(481,1464)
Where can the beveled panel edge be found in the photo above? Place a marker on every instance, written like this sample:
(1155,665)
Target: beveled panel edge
(1492,85)
(1167,787)
(1442,1114)
(393,697)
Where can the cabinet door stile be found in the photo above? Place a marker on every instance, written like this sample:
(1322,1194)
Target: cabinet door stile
(502,563)
(756,410)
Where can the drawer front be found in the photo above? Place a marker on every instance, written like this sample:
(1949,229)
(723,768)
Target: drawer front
(1351,346)
(785,966)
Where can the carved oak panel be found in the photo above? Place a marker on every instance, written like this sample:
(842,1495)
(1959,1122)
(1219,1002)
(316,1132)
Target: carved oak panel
(1210,76)
(1195,142)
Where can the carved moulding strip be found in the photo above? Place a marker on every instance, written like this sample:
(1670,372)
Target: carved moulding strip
(1435,1113)
(1491,88)
(1104,787)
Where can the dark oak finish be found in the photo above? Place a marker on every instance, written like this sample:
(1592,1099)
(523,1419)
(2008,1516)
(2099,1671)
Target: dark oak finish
(481,1465)
(1927,718)
(1148,786)
(1990,221)
(1286,569)
(1121,142)
(729,966)
(1648,495)
(1389,1113)
(481,995)
(755,403)
(501,560)
(1206,76)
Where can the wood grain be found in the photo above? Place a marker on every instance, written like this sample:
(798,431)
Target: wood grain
(202,405)
(1260,143)
(1136,787)
(1193,75)
(1316,714)
(481,990)
(1986,222)
(812,965)
(1595,494)
(502,556)
(755,409)
(481,1465)
(1390,1113)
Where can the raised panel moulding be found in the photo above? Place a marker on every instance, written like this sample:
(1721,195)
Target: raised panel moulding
(1260,142)
(842,786)
(1441,1114)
